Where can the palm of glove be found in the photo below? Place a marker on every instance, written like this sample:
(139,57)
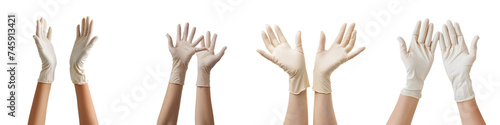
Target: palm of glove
(290,60)
(183,52)
(207,60)
(419,60)
(457,61)
(329,60)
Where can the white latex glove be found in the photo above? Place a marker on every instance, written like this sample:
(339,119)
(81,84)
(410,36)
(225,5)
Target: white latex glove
(81,49)
(458,61)
(207,60)
(328,60)
(290,60)
(182,52)
(418,58)
(46,51)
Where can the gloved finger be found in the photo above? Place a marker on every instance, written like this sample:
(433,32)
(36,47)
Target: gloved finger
(78,31)
(91,27)
(38,28)
(202,43)
(281,37)
(461,40)
(170,43)
(340,35)
(423,33)
(44,27)
(435,41)
(197,41)
(452,33)
(428,37)
(88,26)
(355,53)
(322,40)
(446,36)
(265,55)
(473,45)
(221,53)
(298,41)
(402,47)
(268,43)
(91,43)
(84,27)
(193,31)
(271,35)
(198,49)
(352,41)
(186,31)
(209,36)
(416,33)
(49,34)
(212,42)
(442,43)
(347,36)
(178,34)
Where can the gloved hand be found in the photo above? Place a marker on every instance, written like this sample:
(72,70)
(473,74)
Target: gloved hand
(458,61)
(46,51)
(182,52)
(207,60)
(328,60)
(81,49)
(290,60)
(418,58)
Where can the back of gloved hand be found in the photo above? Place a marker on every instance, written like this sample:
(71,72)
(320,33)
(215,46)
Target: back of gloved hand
(328,60)
(418,58)
(458,61)
(80,52)
(46,51)
(290,60)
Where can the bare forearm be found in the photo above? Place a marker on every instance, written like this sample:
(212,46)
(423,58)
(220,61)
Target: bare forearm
(170,108)
(296,113)
(86,110)
(203,114)
(404,111)
(39,106)
(323,109)
(469,113)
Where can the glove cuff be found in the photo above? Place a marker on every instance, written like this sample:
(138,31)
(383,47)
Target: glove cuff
(321,83)
(462,87)
(178,73)
(47,73)
(298,82)
(413,88)
(203,77)
(77,74)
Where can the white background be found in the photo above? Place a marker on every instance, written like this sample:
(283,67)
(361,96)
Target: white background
(129,66)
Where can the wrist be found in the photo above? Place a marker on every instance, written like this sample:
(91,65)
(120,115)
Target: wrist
(178,73)
(321,82)
(413,88)
(203,79)
(47,73)
(77,74)
(462,88)
(298,82)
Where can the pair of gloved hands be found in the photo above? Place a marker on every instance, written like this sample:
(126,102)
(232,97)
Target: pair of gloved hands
(81,49)
(457,60)
(185,48)
(292,60)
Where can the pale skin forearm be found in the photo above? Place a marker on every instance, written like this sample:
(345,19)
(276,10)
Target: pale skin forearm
(86,110)
(323,109)
(203,112)
(170,108)
(39,106)
(296,113)
(469,113)
(404,111)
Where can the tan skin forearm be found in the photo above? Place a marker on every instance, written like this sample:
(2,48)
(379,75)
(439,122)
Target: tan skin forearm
(170,108)
(39,106)
(296,113)
(323,109)
(203,112)
(469,113)
(404,111)
(86,110)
